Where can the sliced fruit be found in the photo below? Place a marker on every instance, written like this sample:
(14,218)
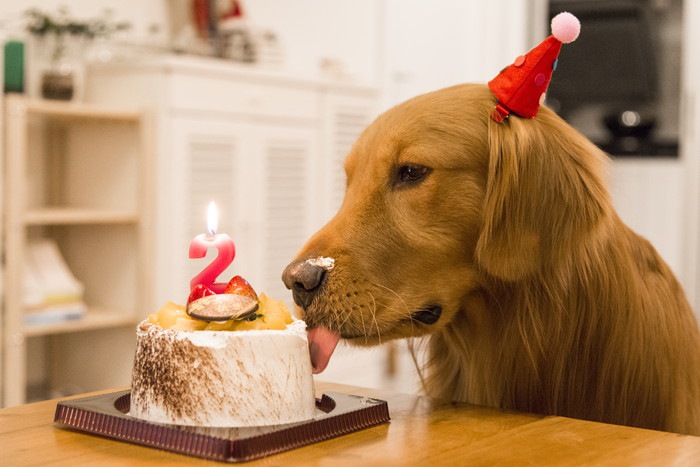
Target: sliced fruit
(275,313)
(188,324)
(240,286)
(168,314)
(199,291)
(219,326)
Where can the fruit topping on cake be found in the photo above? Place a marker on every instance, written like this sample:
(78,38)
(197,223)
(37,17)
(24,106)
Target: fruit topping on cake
(239,301)
(222,307)
(239,286)
(199,291)
(239,308)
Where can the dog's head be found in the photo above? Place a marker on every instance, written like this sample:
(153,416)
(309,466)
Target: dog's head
(441,200)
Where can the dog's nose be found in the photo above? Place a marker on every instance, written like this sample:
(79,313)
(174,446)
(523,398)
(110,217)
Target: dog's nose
(304,279)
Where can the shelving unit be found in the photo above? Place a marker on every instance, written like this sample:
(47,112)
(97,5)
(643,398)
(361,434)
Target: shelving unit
(78,174)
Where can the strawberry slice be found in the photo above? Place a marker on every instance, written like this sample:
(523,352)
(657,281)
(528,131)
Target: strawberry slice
(199,291)
(240,286)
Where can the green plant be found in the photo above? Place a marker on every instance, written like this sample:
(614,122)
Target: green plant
(60,25)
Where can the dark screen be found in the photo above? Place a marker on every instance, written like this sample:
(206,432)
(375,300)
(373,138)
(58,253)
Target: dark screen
(612,62)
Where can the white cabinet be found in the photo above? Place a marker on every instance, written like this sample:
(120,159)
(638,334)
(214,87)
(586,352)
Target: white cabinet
(343,118)
(267,148)
(260,177)
(75,176)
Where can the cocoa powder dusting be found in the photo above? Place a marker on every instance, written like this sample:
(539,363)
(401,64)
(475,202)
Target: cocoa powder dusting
(167,371)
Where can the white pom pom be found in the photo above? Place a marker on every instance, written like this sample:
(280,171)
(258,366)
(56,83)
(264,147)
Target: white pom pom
(565,27)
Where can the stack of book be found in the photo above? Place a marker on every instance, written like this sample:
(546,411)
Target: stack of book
(51,293)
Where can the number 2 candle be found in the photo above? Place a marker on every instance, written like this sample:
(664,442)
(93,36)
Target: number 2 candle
(226,252)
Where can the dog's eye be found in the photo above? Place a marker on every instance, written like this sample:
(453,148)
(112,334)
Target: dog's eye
(409,174)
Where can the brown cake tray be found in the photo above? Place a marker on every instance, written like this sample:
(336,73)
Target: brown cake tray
(107,415)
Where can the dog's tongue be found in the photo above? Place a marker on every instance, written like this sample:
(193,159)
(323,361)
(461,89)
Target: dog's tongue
(322,343)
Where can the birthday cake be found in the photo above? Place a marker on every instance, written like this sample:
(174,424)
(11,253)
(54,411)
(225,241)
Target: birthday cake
(232,369)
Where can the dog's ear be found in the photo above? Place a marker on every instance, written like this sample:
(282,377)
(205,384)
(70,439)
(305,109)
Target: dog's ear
(544,196)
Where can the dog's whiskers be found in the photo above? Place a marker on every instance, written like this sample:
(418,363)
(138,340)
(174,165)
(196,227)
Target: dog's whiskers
(347,317)
(373,310)
(403,302)
(335,314)
(364,329)
(414,346)
(341,315)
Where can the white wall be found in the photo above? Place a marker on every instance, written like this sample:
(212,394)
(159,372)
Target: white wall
(429,45)
(690,150)
(412,45)
(309,30)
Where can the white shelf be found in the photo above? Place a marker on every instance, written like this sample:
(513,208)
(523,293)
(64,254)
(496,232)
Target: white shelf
(75,164)
(66,216)
(78,111)
(94,319)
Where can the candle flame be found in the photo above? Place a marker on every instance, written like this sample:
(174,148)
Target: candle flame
(212,218)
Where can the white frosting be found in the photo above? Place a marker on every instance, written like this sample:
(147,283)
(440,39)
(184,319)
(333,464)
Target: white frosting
(322,261)
(222,378)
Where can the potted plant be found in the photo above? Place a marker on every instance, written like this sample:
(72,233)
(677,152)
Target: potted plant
(60,43)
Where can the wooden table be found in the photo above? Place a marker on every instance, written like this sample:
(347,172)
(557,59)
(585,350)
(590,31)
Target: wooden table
(422,431)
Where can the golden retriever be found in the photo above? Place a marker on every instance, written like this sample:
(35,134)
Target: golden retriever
(499,243)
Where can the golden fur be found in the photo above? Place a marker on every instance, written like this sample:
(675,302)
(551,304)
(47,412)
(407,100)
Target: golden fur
(550,304)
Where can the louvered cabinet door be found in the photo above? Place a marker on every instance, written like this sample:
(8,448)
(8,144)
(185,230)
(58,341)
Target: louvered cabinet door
(275,184)
(288,194)
(211,161)
(343,120)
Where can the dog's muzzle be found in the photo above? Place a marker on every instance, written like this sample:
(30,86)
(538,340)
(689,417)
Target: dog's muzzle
(428,315)
(304,278)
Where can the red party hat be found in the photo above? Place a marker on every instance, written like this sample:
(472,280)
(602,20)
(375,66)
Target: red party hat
(520,87)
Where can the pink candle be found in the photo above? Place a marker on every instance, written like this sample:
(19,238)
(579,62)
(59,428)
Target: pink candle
(226,252)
